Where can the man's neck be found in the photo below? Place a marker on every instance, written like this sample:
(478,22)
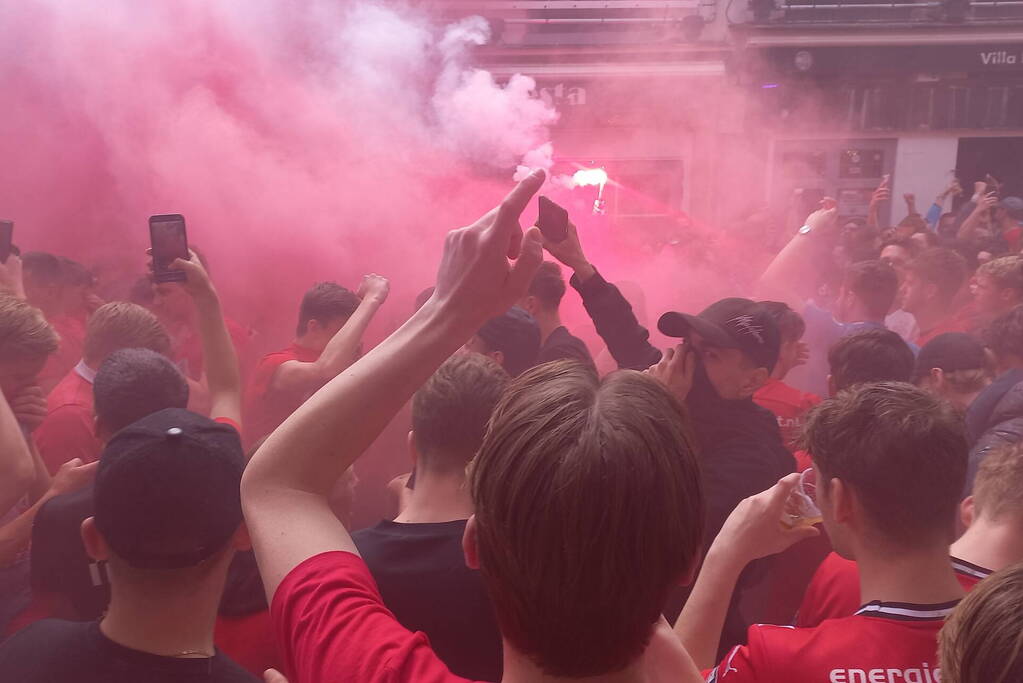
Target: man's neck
(990,545)
(520,669)
(930,316)
(437,498)
(922,577)
(308,342)
(548,321)
(179,623)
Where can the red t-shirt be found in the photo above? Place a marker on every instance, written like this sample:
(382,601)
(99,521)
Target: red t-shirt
(331,625)
(789,405)
(953,323)
(265,410)
(881,643)
(69,428)
(834,591)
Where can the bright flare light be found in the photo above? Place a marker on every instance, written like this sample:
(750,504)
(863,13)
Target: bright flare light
(590,176)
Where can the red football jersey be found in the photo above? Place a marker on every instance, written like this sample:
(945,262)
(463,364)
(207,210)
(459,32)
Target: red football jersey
(834,591)
(265,409)
(881,643)
(789,405)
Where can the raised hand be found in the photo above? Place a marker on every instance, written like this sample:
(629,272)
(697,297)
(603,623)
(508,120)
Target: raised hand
(676,370)
(476,280)
(197,280)
(29,406)
(10,277)
(73,476)
(374,287)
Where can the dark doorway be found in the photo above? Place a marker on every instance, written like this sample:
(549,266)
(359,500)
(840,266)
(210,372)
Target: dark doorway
(1001,157)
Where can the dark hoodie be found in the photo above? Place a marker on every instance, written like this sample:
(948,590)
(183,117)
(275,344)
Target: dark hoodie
(740,448)
(995,418)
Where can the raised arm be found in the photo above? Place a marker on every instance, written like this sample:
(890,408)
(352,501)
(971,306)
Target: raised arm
(343,348)
(753,530)
(795,267)
(882,194)
(976,218)
(223,379)
(287,482)
(626,339)
(10,277)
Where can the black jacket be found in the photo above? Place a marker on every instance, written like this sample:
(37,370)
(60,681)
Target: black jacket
(740,448)
(995,418)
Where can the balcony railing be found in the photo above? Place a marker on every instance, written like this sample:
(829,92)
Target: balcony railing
(895,12)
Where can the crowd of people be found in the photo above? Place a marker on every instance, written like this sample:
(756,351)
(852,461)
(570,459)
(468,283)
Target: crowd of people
(820,483)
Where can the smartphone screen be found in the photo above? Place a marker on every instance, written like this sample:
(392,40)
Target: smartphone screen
(169,242)
(6,238)
(553,220)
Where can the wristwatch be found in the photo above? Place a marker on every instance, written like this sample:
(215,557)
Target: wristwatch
(805,230)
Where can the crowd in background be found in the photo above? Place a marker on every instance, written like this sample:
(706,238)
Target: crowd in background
(821,482)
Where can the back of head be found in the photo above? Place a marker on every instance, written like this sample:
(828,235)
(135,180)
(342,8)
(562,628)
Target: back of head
(944,268)
(791,326)
(167,490)
(25,336)
(901,450)
(123,325)
(548,285)
(1006,272)
(876,355)
(326,302)
(982,642)
(1004,336)
(593,487)
(134,383)
(998,487)
(516,335)
(451,411)
(74,274)
(875,284)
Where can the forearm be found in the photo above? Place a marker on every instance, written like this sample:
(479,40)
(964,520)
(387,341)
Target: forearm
(223,378)
(17,466)
(626,339)
(792,267)
(42,480)
(699,625)
(343,348)
(970,225)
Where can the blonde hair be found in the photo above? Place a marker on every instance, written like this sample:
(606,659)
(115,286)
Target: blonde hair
(122,325)
(1007,272)
(982,642)
(998,487)
(24,332)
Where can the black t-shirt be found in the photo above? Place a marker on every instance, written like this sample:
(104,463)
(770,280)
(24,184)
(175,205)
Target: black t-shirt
(55,651)
(421,572)
(561,344)
(60,564)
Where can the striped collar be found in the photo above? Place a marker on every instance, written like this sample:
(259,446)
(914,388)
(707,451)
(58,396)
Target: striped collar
(905,611)
(970,569)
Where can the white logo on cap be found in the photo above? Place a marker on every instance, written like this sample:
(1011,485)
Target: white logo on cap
(744,323)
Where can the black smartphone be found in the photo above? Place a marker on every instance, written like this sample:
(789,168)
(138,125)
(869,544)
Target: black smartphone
(169,241)
(553,221)
(6,240)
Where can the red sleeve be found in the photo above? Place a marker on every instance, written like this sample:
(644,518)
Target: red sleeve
(331,625)
(833,593)
(67,432)
(229,422)
(744,662)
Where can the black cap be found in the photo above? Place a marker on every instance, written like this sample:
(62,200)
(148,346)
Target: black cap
(730,324)
(951,351)
(167,489)
(516,335)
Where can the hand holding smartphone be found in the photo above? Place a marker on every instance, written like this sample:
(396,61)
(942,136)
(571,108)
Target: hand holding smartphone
(553,220)
(169,242)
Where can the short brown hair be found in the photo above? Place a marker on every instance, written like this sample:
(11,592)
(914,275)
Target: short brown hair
(24,332)
(982,642)
(998,487)
(451,411)
(942,267)
(548,285)
(326,302)
(902,450)
(873,355)
(123,325)
(791,326)
(1007,272)
(589,508)
(875,284)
